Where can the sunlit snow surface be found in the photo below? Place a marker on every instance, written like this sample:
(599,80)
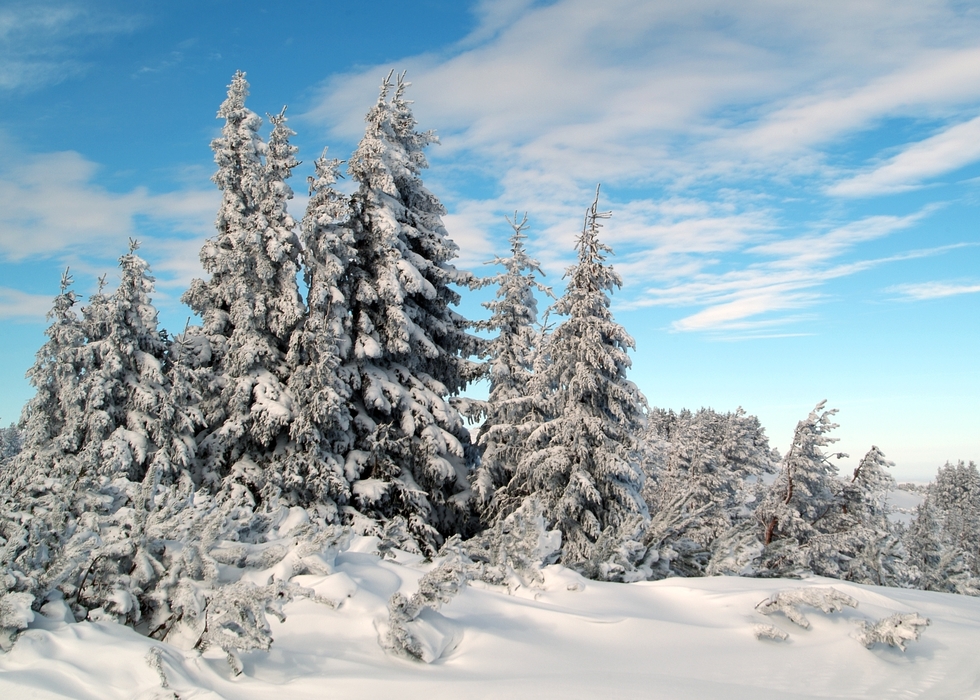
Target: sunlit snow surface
(573,638)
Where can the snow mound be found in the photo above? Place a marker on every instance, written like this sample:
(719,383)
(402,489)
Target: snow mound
(569,638)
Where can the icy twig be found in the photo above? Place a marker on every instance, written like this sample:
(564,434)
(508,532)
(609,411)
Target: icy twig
(154,660)
(770,632)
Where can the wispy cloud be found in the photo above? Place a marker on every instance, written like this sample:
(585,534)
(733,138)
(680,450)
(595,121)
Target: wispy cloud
(51,207)
(945,152)
(15,304)
(46,42)
(603,91)
(686,113)
(50,204)
(758,294)
(933,290)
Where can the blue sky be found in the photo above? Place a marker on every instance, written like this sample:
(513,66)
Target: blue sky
(795,186)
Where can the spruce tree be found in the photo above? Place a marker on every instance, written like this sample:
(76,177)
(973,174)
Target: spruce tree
(582,461)
(510,360)
(806,499)
(705,480)
(409,348)
(249,306)
(876,553)
(11,443)
(942,538)
(124,380)
(320,344)
(53,419)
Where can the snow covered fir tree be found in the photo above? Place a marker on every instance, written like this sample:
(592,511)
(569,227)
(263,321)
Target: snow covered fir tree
(179,483)
(409,349)
(582,456)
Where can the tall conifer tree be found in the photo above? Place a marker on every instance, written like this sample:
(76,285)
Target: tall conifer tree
(251,303)
(510,361)
(53,420)
(583,461)
(409,347)
(321,343)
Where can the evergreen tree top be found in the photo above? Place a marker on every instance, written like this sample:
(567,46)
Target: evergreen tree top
(590,278)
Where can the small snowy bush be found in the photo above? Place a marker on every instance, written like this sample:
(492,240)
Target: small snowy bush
(401,634)
(513,551)
(15,615)
(770,632)
(895,630)
(788,602)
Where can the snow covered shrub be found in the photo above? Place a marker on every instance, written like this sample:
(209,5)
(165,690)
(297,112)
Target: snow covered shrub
(788,603)
(216,590)
(895,630)
(404,632)
(235,617)
(770,632)
(15,615)
(514,549)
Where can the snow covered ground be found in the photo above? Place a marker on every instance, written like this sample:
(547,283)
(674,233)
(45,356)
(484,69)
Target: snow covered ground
(572,638)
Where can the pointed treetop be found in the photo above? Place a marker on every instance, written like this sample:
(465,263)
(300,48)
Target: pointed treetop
(589,246)
(66,280)
(237,92)
(519,228)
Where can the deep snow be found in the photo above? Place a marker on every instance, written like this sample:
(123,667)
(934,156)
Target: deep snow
(572,638)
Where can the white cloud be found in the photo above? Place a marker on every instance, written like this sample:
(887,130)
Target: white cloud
(748,297)
(45,42)
(935,83)
(933,290)
(603,91)
(15,304)
(945,152)
(686,112)
(50,205)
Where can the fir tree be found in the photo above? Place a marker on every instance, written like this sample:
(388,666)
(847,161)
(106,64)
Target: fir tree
(409,348)
(806,497)
(250,305)
(37,485)
(704,479)
(942,538)
(320,344)
(124,381)
(582,462)
(53,419)
(11,443)
(878,556)
(510,360)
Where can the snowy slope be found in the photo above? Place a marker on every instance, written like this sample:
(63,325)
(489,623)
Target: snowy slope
(573,638)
